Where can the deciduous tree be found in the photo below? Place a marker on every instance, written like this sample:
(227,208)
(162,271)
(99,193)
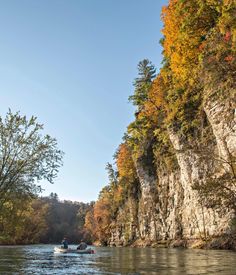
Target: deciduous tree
(26,156)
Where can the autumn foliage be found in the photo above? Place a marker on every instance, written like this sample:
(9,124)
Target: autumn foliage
(125,164)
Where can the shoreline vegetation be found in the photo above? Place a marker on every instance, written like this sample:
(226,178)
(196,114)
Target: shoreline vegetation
(224,242)
(46,220)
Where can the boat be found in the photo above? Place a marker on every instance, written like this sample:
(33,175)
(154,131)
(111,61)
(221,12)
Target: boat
(71,250)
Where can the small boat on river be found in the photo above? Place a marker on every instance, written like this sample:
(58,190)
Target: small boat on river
(75,251)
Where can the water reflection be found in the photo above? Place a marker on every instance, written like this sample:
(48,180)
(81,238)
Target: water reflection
(40,259)
(11,259)
(168,261)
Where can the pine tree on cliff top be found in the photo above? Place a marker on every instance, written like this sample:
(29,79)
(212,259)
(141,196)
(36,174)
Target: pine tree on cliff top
(142,84)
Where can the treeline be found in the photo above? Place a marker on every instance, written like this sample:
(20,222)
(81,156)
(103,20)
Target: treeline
(43,220)
(199,61)
(26,157)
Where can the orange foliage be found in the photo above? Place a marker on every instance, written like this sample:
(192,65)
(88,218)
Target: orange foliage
(125,162)
(229,58)
(156,102)
(227,36)
(186,24)
(227,21)
(90,223)
(102,218)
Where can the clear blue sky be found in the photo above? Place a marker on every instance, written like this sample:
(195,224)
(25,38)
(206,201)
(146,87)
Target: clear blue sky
(71,63)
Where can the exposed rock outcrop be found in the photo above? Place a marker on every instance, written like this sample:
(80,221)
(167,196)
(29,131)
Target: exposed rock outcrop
(168,207)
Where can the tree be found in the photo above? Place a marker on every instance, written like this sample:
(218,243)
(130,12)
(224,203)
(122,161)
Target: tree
(112,174)
(22,223)
(186,26)
(218,190)
(102,217)
(142,84)
(26,156)
(125,163)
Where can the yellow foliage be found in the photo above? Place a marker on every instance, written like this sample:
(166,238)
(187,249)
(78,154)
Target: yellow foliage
(125,163)
(102,218)
(186,24)
(156,101)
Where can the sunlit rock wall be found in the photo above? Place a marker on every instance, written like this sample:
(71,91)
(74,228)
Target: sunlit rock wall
(167,206)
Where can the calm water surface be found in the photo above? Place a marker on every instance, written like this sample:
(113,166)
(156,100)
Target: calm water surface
(40,259)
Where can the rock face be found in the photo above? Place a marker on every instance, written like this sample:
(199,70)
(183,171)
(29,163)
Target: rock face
(167,206)
(222,117)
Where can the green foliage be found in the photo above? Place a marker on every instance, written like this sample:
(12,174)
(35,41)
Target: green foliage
(25,156)
(42,220)
(142,84)
(64,218)
(112,174)
(22,220)
(165,155)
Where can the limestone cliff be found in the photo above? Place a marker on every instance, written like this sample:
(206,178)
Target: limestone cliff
(176,166)
(168,207)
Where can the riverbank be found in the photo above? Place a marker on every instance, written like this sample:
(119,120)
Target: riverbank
(224,242)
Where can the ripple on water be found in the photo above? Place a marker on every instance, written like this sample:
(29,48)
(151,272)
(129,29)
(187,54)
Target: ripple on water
(40,259)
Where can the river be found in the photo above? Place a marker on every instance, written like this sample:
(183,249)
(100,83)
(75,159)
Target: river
(40,259)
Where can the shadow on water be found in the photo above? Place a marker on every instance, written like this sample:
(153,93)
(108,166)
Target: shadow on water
(40,259)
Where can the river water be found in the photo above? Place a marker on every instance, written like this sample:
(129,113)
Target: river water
(40,259)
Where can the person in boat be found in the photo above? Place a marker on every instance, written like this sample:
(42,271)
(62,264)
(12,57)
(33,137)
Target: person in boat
(64,243)
(82,245)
